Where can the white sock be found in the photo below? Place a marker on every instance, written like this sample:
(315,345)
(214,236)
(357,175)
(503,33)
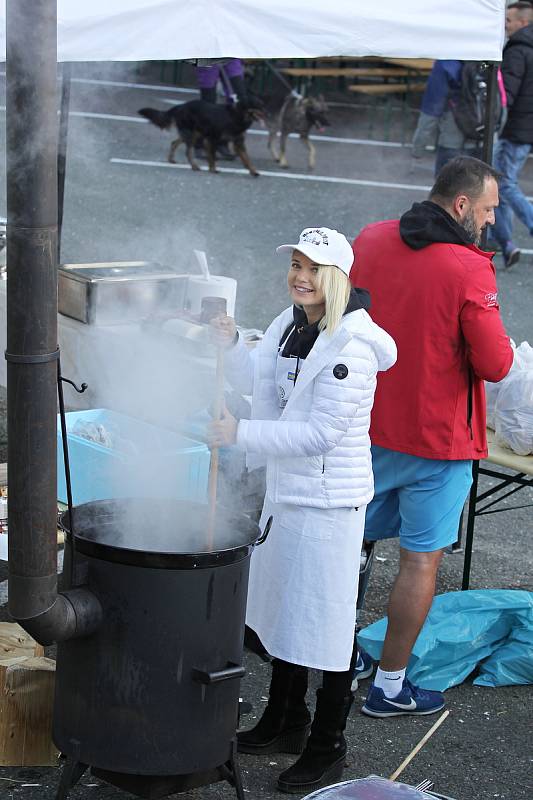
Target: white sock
(390,682)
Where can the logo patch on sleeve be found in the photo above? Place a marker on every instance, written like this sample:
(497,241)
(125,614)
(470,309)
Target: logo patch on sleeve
(340,371)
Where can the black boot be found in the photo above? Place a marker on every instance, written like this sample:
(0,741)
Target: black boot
(322,761)
(286,720)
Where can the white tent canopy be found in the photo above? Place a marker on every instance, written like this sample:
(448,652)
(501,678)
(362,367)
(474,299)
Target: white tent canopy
(141,30)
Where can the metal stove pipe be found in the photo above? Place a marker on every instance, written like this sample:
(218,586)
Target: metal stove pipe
(32,131)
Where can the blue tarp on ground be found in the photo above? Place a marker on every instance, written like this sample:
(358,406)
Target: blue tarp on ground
(487,628)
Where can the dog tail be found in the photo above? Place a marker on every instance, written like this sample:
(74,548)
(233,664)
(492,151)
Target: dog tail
(163,119)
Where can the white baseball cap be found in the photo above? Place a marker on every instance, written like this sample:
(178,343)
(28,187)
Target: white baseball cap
(323,246)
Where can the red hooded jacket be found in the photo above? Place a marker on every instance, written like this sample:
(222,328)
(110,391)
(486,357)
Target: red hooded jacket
(436,295)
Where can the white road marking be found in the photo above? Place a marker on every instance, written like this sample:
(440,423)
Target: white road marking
(338,139)
(295,176)
(256,132)
(253,131)
(94,115)
(128,85)
(315,137)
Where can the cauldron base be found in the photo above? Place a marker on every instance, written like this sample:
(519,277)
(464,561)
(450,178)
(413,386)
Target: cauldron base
(153,787)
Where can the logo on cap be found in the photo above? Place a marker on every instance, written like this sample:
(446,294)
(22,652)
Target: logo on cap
(314,236)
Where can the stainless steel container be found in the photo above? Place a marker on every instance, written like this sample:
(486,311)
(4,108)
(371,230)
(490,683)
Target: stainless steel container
(120,291)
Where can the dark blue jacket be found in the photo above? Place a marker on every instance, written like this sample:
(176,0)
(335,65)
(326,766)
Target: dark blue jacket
(444,80)
(517,71)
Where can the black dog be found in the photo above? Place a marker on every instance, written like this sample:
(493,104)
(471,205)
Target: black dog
(201,122)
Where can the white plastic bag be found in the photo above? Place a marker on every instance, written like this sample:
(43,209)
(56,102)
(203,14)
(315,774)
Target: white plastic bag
(514,412)
(523,360)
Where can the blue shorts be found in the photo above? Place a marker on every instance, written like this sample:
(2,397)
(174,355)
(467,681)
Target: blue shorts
(418,499)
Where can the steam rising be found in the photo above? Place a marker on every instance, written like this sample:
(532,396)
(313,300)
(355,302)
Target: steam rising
(157,527)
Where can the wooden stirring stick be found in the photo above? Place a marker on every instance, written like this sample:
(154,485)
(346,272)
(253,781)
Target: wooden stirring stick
(218,406)
(419,746)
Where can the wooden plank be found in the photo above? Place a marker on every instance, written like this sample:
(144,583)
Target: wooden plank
(15,642)
(386,88)
(504,457)
(418,64)
(346,72)
(26,707)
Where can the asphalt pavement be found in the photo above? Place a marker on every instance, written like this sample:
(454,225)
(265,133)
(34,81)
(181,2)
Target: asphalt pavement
(124,201)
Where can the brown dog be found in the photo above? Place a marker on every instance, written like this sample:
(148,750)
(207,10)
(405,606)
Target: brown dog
(298,115)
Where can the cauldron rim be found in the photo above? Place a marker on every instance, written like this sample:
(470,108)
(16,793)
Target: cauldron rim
(160,559)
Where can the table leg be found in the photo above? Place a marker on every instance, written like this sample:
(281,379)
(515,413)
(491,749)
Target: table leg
(470,525)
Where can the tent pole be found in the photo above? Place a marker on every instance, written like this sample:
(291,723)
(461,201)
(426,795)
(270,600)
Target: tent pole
(490,125)
(62,149)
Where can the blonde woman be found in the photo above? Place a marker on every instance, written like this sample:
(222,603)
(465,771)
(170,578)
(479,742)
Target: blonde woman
(312,381)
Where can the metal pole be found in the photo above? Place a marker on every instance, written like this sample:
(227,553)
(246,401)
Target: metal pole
(490,123)
(470,526)
(62,149)
(32,352)
(31,104)
(490,126)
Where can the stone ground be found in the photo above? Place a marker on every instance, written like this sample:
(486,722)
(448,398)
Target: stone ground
(142,209)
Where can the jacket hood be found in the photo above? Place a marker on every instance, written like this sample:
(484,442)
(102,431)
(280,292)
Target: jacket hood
(522,36)
(361,326)
(427,223)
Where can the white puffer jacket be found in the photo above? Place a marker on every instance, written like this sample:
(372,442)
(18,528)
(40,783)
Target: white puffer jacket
(318,448)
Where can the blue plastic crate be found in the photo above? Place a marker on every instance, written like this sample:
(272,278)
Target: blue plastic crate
(142,461)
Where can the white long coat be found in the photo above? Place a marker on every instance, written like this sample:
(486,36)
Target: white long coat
(303,579)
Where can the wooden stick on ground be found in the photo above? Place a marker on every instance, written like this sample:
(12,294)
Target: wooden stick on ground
(419,746)
(213,467)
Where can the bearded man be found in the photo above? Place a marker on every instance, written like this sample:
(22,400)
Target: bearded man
(434,291)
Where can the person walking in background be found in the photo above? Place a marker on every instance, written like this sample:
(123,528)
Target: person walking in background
(436,123)
(453,112)
(312,380)
(231,75)
(208,77)
(435,292)
(516,139)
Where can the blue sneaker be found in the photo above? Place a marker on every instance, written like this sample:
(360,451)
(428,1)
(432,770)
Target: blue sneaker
(411,700)
(363,668)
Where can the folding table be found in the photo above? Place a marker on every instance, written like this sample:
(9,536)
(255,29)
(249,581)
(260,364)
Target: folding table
(498,463)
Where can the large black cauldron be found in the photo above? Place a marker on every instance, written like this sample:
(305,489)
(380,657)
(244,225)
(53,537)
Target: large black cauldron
(154,692)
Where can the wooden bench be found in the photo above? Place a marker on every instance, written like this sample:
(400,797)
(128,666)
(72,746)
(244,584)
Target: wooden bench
(346,72)
(386,88)
(416,64)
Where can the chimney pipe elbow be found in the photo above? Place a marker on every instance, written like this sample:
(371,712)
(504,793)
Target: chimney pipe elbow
(74,614)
